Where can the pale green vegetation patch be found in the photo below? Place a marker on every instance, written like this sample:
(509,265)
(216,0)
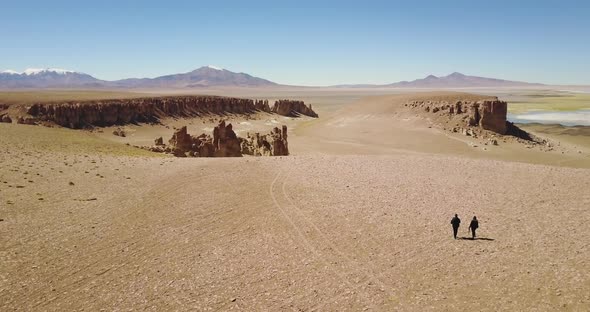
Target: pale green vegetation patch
(42,139)
(550,102)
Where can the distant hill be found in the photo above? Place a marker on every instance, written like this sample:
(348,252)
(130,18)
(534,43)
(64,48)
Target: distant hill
(206,76)
(454,80)
(458,80)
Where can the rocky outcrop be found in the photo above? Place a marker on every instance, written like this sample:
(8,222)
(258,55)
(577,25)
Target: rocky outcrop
(280,146)
(111,112)
(5,119)
(181,140)
(183,144)
(493,116)
(486,114)
(224,143)
(272,144)
(473,114)
(26,120)
(262,105)
(293,108)
(74,114)
(120,132)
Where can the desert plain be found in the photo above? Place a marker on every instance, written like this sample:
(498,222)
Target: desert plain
(357,217)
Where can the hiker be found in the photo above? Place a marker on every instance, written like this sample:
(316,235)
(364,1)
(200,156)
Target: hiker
(455,222)
(473,226)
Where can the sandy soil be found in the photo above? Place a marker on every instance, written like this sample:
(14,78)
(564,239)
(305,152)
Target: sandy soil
(357,219)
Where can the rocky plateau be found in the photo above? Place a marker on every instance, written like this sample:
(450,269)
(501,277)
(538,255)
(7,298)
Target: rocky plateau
(102,113)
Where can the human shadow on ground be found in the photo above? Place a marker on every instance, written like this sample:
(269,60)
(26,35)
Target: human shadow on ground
(477,238)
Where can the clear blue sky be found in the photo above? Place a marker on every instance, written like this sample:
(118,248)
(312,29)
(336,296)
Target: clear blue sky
(303,42)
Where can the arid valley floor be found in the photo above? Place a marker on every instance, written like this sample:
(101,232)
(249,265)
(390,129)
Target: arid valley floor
(356,218)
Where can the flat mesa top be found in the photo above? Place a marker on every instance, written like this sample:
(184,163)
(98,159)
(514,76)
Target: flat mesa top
(82,97)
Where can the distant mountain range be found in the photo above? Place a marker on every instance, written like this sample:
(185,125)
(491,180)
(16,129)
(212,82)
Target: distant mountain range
(46,78)
(206,76)
(210,76)
(454,80)
(458,80)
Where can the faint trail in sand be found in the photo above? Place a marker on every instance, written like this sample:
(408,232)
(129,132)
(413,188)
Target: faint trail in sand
(307,244)
(329,242)
(373,273)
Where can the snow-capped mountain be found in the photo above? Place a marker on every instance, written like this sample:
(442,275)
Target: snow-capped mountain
(37,71)
(10,72)
(46,78)
(206,76)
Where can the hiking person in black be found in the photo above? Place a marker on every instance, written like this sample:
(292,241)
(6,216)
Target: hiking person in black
(473,226)
(455,222)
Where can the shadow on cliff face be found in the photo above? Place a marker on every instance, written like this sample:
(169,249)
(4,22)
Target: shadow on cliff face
(515,131)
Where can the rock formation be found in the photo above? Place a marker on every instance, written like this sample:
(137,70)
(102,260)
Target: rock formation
(293,108)
(5,119)
(26,120)
(487,114)
(262,105)
(473,114)
(119,132)
(224,143)
(181,140)
(80,114)
(111,112)
(493,116)
(272,144)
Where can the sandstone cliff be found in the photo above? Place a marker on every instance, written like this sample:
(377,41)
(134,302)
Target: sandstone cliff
(486,114)
(102,113)
(111,112)
(293,108)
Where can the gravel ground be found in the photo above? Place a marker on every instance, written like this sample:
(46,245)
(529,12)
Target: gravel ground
(347,223)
